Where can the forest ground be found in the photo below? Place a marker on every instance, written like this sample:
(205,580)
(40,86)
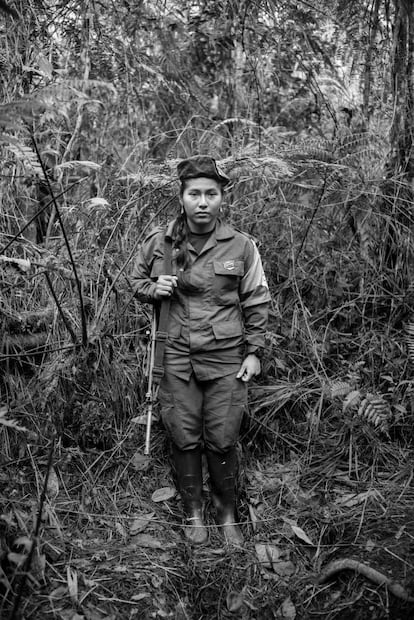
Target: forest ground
(110,543)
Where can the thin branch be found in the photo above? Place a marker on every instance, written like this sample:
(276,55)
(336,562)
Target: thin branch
(35,216)
(72,261)
(127,261)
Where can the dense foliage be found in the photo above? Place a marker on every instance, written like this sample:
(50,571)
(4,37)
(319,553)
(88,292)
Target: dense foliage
(309,108)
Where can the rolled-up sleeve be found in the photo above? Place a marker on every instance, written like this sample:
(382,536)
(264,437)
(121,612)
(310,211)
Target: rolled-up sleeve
(254,300)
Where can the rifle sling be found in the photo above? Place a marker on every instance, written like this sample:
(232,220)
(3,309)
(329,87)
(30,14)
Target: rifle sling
(161,333)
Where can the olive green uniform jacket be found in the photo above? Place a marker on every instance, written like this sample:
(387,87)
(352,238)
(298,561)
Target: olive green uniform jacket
(219,310)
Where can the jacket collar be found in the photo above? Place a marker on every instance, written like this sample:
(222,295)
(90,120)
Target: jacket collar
(222,230)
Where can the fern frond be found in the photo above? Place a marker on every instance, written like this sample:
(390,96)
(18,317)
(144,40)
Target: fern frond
(376,411)
(352,400)
(24,154)
(349,143)
(334,183)
(371,408)
(410,340)
(78,86)
(267,166)
(24,109)
(319,150)
(72,165)
(353,160)
(337,389)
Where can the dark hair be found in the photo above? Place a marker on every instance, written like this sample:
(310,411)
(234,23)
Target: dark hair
(181,232)
(180,235)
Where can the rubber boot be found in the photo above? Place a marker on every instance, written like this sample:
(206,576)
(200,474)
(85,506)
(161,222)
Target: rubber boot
(190,484)
(222,469)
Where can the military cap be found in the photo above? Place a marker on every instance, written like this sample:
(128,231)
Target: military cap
(201,166)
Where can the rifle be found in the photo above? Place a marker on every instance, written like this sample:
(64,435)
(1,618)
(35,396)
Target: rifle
(159,333)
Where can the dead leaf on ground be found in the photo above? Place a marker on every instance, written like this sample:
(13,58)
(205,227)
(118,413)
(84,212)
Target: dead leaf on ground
(58,593)
(140,462)
(145,540)
(267,554)
(163,494)
(283,568)
(300,533)
(287,610)
(234,601)
(140,523)
(120,529)
(353,499)
(52,487)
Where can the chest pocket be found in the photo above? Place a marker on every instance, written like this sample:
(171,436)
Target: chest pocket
(227,275)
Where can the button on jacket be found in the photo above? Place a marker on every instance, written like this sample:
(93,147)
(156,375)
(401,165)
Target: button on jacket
(219,309)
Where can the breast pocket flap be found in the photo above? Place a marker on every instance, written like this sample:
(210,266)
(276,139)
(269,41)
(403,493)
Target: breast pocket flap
(229,267)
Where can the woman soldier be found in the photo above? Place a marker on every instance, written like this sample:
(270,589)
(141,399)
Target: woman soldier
(217,320)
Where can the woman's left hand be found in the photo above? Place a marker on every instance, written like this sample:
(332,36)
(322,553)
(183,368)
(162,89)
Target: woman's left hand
(250,368)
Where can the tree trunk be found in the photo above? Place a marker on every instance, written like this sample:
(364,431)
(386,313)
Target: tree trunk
(398,190)
(367,78)
(401,160)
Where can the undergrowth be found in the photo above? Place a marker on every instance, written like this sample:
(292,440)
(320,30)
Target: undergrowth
(326,446)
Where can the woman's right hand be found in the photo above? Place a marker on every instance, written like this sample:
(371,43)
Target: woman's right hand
(165,286)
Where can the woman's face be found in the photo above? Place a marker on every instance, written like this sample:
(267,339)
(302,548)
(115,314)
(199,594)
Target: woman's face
(201,200)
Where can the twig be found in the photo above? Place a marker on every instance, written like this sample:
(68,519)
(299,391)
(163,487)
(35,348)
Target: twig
(370,573)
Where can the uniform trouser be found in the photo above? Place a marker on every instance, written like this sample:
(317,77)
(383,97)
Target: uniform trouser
(202,411)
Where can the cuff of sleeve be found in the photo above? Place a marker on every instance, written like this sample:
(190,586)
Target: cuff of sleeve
(257,351)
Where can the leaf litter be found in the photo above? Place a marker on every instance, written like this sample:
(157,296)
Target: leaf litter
(126,557)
